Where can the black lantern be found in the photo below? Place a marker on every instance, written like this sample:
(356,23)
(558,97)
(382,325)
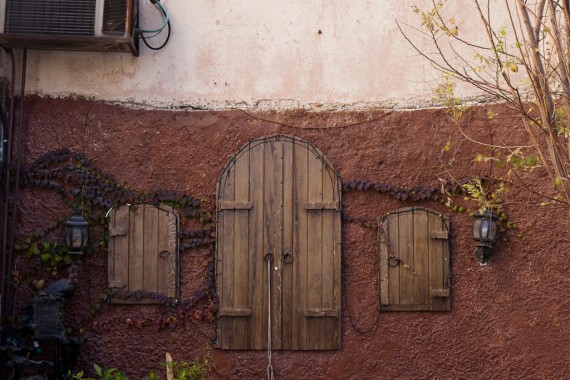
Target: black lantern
(76,233)
(484,232)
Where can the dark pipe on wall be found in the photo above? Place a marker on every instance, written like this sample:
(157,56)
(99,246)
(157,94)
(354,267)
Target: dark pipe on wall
(6,185)
(13,138)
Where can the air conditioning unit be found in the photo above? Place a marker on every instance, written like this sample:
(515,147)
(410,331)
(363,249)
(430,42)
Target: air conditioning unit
(100,25)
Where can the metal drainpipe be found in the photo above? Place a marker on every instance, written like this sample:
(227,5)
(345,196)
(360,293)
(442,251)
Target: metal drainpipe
(18,156)
(5,269)
(18,141)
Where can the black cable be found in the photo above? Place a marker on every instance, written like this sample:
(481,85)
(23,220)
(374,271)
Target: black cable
(344,283)
(163,44)
(4,158)
(157,33)
(6,265)
(18,142)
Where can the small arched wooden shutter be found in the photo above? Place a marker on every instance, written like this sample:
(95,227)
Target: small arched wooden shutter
(278,199)
(143,253)
(414,260)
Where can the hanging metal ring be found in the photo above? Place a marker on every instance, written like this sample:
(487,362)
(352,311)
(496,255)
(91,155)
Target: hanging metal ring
(394,262)
(288,258)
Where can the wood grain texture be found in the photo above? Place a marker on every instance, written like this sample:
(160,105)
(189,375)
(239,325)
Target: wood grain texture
(257,280)
(279,197)
(413,261)
(145,257)
(301,230)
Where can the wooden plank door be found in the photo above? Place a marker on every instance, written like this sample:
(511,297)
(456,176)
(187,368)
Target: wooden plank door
(414,261)
(278,248)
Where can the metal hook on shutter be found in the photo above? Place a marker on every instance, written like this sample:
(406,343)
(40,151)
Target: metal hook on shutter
(287,258)
(269,257)
(393,262)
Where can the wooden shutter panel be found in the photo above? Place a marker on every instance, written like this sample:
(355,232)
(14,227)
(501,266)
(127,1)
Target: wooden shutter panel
(278,196)
(414,260)
(143,253)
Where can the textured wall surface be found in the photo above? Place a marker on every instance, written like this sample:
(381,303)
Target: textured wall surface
(271,54)
(509,319)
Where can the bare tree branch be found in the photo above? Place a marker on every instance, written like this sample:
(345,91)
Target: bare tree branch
(541,32)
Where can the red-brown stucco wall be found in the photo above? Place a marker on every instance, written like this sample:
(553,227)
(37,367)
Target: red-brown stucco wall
(509,319)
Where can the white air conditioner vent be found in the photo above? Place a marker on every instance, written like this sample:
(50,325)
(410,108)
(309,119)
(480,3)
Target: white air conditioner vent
(65,17)
(107,25)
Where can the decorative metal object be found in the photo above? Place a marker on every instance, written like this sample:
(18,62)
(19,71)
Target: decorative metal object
(76,233)
(485,233)
(48,316)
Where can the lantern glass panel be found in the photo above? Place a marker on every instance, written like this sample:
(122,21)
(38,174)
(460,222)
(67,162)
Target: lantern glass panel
(68,233)
(76,238)
(492,230)
(477,229)
(76,232)
(485,228)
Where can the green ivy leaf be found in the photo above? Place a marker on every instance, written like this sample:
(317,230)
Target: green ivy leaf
(98,370)
(33,250)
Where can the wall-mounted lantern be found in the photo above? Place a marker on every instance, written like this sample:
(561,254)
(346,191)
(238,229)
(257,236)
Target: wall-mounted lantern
(76,233)
(484,232)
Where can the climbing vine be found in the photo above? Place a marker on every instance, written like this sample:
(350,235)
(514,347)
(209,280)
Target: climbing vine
(84,186)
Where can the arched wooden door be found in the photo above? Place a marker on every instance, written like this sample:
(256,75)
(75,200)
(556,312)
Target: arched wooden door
(278,255)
